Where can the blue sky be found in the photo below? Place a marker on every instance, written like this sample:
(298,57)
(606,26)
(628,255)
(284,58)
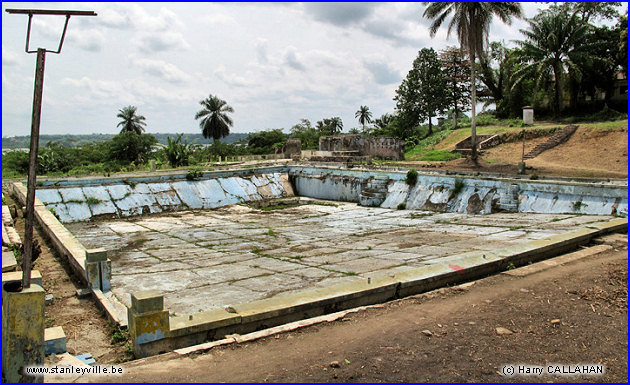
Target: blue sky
(274,63)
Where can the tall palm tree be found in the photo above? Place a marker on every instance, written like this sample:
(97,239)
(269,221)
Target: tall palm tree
(557,43)
(130,121)
(364,115)
(472,22)
(336,125)
(215,121)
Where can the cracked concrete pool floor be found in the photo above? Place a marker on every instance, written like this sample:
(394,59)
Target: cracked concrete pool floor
(206,259)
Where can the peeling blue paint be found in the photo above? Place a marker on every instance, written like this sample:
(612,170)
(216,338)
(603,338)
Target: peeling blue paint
(148,337)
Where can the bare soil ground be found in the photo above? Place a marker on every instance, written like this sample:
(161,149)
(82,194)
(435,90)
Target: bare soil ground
(85,325)
(588,153)
(388,343)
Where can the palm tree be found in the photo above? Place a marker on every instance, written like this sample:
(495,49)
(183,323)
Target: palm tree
(215,123)
(336,125)
(364,115)
(556,43)
(130,121)
(472,22)
(384,121)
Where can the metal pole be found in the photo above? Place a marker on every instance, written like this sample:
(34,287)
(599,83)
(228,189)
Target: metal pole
(523,154)
(32,168)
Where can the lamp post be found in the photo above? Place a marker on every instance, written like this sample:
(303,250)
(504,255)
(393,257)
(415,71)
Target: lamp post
(35,121)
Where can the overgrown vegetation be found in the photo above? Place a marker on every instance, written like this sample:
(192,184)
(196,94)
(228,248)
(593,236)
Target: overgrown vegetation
(457,188)
(194,174)
(412,177)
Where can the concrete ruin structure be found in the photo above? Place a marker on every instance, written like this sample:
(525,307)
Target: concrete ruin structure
(357,145)
(183,262)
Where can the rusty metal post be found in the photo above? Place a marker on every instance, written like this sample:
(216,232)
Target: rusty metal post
(32,169)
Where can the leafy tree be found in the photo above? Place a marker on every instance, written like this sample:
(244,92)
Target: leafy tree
(600,71)
(264,142)
(131,147)
(455,71)
(472,22)
(215,121)
(498,65)
(308,135)
(364,115)
(557,45)
(423,94)
(354,131)
(622,56)
(130,121)
(589,11)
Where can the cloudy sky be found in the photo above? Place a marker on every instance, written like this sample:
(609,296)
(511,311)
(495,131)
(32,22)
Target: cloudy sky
(274,63)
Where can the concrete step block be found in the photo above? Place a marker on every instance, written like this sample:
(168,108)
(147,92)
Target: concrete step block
(54,340)
(36,277)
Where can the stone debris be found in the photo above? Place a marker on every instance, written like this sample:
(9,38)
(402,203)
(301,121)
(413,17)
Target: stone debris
(427,332)
(503,331)
(83,293)
(335,364)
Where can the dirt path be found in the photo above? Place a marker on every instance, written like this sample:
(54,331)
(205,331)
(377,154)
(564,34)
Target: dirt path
(587,153)
(86,327)
(587,296)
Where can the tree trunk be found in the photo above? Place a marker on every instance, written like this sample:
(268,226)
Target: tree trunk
(557,105)
(473,98)
(430,127)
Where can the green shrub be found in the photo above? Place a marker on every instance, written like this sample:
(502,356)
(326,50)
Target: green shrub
(459,186)
(401,206)
(194,174)
(178,151)
(412,177)
(130,147)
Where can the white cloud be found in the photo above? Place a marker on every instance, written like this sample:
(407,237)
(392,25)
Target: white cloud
(164,41)
(88,39)
(9,58)
(261,50)
(232,79)
(161,69)
(291,59)
(381,70)
(219,19)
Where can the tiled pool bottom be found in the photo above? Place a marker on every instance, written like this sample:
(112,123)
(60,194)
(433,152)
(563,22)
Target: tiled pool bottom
(202,260)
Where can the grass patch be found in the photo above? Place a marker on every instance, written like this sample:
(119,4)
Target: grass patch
(419,215)
(440,156)
(275,207)
(345,273)
(93,201)
(324,204)
(271,233)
